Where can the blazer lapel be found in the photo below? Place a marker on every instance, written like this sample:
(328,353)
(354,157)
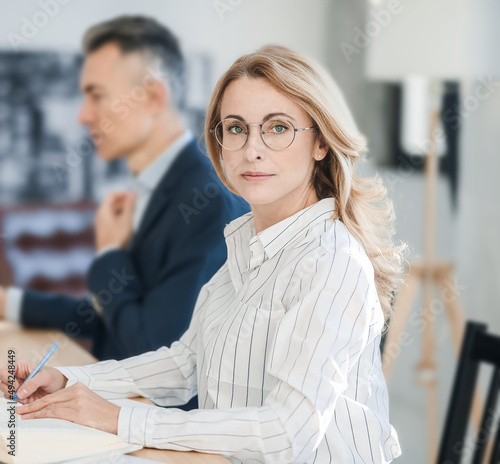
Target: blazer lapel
(161,196)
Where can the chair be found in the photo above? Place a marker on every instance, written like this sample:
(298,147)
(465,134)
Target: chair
(477,347)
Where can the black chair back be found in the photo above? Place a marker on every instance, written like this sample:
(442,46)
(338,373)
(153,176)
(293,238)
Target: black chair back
(477,347)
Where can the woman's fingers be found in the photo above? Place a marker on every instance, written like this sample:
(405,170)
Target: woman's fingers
(77,404)
(41,381)
(41,403)
(24,368)
(48,380)
(4,389)
(11,380)
(54,412)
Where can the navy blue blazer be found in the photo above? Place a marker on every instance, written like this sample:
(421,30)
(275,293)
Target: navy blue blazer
(147,293)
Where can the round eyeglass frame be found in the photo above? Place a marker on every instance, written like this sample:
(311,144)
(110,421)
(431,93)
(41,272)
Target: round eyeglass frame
(214,131)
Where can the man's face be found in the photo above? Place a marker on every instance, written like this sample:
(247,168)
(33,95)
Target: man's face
(116,109)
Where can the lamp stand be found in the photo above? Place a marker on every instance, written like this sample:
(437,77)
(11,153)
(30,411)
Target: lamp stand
(432,274)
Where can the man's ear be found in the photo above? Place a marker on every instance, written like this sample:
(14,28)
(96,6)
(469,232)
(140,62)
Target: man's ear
(159,96)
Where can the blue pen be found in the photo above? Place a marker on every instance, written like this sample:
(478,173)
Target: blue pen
(36,370)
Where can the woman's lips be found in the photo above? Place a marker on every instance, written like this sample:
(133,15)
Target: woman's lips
(256,176)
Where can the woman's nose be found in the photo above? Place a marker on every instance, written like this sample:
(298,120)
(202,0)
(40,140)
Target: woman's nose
(255,146)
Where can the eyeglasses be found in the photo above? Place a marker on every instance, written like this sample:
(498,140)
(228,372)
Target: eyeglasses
(277,134)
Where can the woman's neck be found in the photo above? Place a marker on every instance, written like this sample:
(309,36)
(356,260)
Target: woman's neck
(265,216)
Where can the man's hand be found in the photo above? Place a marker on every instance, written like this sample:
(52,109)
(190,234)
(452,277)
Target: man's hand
(77,404)
(113,222)
(48,380)
(3,302)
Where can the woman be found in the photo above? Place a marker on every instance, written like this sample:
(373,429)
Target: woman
(283,347)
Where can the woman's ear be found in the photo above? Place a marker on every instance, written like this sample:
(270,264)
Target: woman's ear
(320,148)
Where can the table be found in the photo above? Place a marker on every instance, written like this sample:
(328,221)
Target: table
(32,344)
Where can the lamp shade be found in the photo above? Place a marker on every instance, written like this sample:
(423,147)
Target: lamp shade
(445,39)
(416,106)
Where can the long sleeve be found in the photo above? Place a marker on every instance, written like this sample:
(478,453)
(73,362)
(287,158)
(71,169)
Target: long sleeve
(287,353)
(76,317)
(317,343)
(167,376)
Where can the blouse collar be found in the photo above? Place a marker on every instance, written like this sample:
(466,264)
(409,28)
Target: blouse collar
(247,250)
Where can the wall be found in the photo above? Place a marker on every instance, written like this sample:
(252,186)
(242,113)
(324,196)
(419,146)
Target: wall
(215,27)
(478,228)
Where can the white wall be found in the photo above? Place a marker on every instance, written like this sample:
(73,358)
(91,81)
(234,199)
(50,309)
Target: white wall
(424,37)
(202,25)
(478,230)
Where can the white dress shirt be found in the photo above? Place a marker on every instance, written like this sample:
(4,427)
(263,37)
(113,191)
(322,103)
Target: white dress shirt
(144,185)
(283,351)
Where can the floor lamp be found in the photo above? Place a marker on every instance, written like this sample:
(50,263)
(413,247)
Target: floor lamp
(450,40)
(431,274)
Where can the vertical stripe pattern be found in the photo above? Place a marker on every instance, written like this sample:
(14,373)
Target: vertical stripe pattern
(283,351)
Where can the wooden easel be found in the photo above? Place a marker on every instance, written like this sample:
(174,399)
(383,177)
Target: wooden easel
(432,274)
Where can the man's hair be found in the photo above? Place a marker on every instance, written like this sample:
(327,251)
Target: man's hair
(146,36)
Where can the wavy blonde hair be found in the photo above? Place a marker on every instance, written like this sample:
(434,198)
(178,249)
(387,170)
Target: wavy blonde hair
(362,204)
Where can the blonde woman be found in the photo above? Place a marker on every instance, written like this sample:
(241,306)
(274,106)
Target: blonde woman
(283,347)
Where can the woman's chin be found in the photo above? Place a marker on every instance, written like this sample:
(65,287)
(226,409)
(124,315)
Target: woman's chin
(258,200)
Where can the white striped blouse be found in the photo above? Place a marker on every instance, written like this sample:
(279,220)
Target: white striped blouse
(283,351)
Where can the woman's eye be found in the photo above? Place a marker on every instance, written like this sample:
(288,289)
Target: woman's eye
(279,128)
(235,129)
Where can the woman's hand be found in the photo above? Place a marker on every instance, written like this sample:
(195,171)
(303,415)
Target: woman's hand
(77,404)
(48,380)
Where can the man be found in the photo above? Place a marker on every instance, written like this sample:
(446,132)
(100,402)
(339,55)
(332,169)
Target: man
(156,246)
